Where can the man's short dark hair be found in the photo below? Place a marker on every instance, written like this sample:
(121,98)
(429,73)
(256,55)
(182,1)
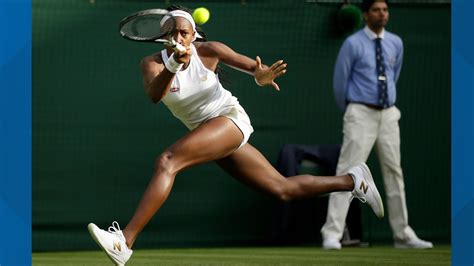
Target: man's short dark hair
(366,4)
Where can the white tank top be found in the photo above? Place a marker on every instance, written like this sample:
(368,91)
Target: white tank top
(196,93)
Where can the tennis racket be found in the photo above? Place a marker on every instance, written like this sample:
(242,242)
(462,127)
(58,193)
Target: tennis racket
(144,26)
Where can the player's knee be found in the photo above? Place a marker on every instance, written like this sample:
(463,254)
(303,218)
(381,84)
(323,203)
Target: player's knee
(165,162)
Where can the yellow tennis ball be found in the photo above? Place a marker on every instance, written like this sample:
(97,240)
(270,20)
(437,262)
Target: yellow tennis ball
(201,15)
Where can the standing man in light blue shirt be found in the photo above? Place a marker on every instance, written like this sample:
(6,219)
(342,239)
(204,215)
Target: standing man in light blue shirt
(365,76)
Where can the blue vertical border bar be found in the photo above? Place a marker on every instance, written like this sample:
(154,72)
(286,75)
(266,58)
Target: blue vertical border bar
(462,133)
(15,132)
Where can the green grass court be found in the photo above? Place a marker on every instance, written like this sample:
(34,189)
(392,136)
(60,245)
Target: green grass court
(387,255)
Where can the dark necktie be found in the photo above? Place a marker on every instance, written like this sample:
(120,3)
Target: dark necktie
(381,78)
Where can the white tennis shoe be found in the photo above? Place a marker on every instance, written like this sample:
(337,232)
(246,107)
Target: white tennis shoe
(112,242)
(365,189)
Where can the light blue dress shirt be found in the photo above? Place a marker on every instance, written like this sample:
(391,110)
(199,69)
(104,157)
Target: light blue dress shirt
(355,73)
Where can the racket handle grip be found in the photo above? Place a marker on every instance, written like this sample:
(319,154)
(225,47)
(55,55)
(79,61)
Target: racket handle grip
(179,48)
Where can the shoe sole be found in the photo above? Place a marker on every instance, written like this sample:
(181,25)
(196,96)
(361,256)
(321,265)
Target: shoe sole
(403,246)
(91,227)
(370,180)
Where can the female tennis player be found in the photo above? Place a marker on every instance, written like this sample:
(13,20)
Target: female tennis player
(187,84)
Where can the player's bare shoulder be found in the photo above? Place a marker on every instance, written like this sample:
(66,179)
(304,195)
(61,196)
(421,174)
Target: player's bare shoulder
(152,62)
(208,49)
(152,59)
(208,54)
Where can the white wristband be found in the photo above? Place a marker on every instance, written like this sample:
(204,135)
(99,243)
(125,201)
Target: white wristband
(257,82)
(172,65)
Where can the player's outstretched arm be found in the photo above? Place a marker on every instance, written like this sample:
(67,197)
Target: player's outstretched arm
(264,75)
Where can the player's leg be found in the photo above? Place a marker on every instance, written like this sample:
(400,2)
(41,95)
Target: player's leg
(360,132)
(248,165)
(212,140)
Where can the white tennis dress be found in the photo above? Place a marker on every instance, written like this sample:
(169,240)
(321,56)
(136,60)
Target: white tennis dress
(196,95)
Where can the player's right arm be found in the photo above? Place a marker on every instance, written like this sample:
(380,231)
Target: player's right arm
(157,79)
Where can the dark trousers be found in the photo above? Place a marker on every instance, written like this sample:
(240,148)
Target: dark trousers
(299,221)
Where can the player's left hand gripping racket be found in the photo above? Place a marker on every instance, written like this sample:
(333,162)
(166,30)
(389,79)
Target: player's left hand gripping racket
(144,26)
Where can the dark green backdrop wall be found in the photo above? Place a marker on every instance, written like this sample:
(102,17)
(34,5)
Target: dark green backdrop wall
(96,135)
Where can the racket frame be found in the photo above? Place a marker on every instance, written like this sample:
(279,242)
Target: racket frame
(159,38)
